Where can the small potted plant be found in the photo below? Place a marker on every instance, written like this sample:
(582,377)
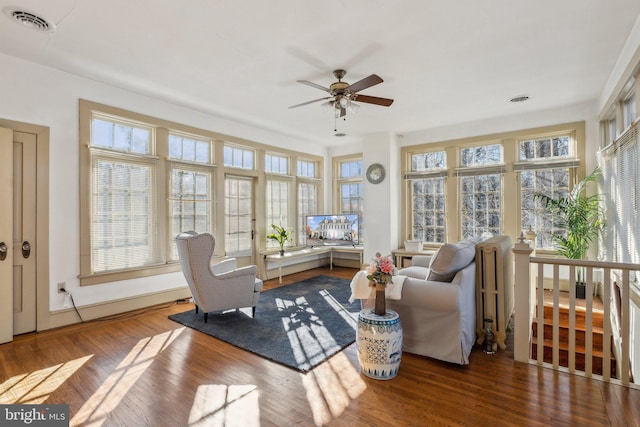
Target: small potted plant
(280,235)
(580,216)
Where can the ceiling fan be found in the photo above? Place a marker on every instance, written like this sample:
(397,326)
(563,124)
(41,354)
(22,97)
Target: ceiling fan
(343,94)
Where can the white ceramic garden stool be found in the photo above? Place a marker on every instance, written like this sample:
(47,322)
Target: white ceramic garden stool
(379,341)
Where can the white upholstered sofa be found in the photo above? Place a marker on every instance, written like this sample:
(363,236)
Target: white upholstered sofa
(437,308)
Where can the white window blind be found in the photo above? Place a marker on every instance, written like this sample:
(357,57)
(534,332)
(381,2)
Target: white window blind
(307,205)
(619,165)
(122,215)
(238,211)
(277,206)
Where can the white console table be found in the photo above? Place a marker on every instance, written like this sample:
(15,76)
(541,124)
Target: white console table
(401,254)
(309,252)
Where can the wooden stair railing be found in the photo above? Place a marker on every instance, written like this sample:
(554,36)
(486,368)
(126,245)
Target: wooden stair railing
(580,338)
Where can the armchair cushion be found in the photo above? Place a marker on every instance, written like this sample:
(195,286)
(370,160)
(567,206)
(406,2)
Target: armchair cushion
(451,258)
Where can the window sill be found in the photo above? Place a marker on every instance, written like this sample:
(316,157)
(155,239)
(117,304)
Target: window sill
(99,278)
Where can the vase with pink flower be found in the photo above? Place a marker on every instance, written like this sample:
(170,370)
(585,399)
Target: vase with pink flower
(380,272)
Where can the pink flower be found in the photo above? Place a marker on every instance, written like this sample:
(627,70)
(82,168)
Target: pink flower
(371,268)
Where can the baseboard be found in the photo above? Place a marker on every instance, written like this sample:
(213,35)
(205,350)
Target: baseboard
(68,316)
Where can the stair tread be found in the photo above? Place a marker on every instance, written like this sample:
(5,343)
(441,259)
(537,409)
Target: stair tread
(564,324)
(580,349)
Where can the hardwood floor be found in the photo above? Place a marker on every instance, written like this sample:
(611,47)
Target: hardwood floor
(144,369)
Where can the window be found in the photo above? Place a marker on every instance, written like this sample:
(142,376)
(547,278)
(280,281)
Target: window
(276,164)
(545,148)
(427,190)
(306,169)
(538,175)
(468,187)
(428,161)
(480,181)
(481,205)
(277,208)
(428,214)
(189,149)
(350,190)
(620,172)
(351,169)
(191,187)
(238,193)
(629,110)
(122,215)
(237,157)
(307,205)
(146,179)
(481,156)
(121,136)
(552,182)
(610,131)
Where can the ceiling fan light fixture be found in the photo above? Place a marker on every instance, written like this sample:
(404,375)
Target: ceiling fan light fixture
(353,108)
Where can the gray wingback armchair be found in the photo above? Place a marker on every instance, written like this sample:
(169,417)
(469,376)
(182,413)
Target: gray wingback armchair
(221,286)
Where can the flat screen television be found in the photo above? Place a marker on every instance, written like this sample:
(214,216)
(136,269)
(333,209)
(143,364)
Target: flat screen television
(332,230)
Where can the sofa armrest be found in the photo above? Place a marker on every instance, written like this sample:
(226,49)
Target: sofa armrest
(421,261)
(442,296)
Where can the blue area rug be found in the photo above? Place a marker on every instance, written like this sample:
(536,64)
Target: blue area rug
(298,325)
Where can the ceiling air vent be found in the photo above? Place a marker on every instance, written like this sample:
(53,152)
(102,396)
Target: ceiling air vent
(29,19)
(520,98)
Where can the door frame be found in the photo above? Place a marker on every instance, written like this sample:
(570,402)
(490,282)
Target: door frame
(41,250)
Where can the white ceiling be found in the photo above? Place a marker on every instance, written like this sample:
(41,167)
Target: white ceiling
(442,62)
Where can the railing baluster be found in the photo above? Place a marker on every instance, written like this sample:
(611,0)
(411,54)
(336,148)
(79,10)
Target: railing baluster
(556,317)
(540,320)
(626,334)
(572,319)
(588,353)
(606,327)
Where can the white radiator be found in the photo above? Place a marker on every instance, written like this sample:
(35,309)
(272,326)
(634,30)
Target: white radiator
(494,287)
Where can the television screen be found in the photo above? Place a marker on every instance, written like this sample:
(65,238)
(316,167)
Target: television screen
(332,230)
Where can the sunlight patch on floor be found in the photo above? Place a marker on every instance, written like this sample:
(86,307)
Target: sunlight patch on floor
(34,388)
(350,318)
(95,410)
(222,405)
(309,338)
(330,388)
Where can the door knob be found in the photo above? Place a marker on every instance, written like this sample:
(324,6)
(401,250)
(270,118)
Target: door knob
(3,251)
(26,249)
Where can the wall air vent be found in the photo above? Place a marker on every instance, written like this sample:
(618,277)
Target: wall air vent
(29,19)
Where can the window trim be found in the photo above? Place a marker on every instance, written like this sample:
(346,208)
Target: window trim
(162,129)
(510,170)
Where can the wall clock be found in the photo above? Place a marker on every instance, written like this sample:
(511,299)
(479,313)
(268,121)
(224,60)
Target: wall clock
(375,173)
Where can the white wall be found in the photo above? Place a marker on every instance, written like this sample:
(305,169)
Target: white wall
(43,96)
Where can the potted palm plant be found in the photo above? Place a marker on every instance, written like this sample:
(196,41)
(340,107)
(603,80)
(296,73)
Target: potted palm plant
(280,235)
(580,215)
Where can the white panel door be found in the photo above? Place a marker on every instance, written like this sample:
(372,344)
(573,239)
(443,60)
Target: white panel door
(6,235)
(24,232)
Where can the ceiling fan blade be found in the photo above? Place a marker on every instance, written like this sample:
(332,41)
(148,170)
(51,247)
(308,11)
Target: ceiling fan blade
(385,102)
(343,112)
(312,84)
(310,102)
(372,80)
